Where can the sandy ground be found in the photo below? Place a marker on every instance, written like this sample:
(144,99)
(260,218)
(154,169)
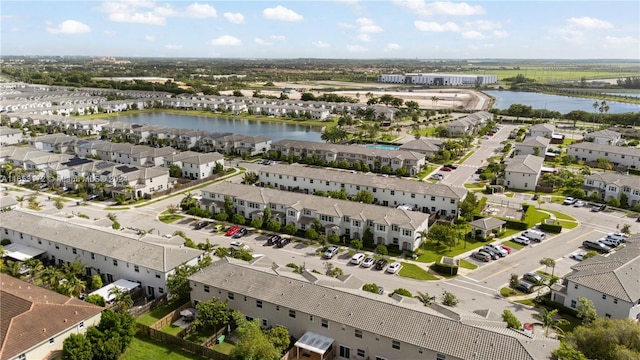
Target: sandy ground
(457,99)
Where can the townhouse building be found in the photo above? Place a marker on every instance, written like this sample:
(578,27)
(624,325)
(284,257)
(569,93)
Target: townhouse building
(29,159)
(532,145)
(341,217)
(333,319)
(58,143)
(107,253)
(613,185)
(387,191)
(10,136)
(604,137)
(195,165)
(374,158)
(36,321)
(610,282)
(469,124)
(427,146)
(542,130)
(618,155)
(523,172)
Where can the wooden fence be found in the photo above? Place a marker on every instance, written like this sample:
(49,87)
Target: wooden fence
(181,343)
(140,310)
(170,317)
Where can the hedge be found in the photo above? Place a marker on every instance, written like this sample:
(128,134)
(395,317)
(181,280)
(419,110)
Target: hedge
(481,204)
(551,228)
(444,269)
(515,224)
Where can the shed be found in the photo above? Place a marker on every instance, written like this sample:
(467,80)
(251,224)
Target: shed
(481,228)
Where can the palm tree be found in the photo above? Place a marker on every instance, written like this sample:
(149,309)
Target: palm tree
(14,268)
(71,285)
(50,277)
(122,298)
(595,108)
(221,252)
(112,216)
(434,100)
(20,200)
(547,319)
(34,265)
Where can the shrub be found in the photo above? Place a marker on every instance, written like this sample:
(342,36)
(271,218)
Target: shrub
(238,219)
(448,299)
(444,269)
(614,202)
(551,228)
(382,250)
(372,288)
(511,320)
(311,234)
(95,299)
(401,291)
(256,223)
(515,224)
(5,242)
(290,229)
(222,216)
(115,225)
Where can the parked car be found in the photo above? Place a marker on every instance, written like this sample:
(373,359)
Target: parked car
(437,177)
(617,236)
(525,287)
(217,227)
(612,243)
(201,225)
(482,256)
(238,246)
(447,169)
(532,278)
(521,240)
(495,254)
(597,246)
(598,207)
(331,252)
(272,240)
(492,255)
(535,235)
(357,258)
(502,252)
(393,267)
(368,262)
(577,256)
(282,242)
(232,230)
(569,201)
(508,249)
(535,197)
(380,264)
(91,197)
(579,203)
(240,233)
(479,171)
(451,166)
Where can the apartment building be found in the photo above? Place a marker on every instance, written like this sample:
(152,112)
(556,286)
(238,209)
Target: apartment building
(542,130)
(617,155)
(532,145)
(387,191)
(353,324)
(374,158)
(613,185)
(107,253)
(342,217)
(10,136)
(195,165)
(604,137)
(523,172)
(438,79)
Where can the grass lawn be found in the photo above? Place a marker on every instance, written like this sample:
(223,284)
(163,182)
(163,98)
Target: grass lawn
(468,155)
(432,252)
(467,264)
(508,232)
(158,313)
(529,302)
(473,186)
(200,335)
(171,329)
(534,217)
(513,245)
(167,219)
(142,348)
(414,271)
(116,208)
(559,215)
(568,224)
(507,291)
(509,195)
(224,348)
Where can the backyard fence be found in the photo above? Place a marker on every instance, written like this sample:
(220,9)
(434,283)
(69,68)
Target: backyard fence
(181,343)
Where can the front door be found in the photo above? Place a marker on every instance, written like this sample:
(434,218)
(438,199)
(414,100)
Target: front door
(151,291)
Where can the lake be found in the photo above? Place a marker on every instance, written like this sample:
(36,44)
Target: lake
(269,129)
(563,104)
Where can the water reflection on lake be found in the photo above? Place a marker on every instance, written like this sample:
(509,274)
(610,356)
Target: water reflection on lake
(563,104)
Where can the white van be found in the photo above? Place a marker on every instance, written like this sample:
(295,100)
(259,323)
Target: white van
(535,235)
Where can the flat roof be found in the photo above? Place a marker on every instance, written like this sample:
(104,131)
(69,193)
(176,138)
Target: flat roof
(22,252)
(121,284)
(315,343)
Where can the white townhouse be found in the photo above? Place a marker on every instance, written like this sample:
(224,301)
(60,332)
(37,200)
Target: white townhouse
(253,145)
(333,319)
(523,172)
(542,130)
(143,155)
(341,217)
(387,191)
(195,165)
(107,253)
(532,145)
(10,136)
(30,159)
(617,155)
(36,321)
(374,158)
(60,143)
(612,185)
(611,282)
(469,124)
(604,137)
(427,146)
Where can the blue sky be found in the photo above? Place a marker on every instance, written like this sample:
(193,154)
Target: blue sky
(323,29)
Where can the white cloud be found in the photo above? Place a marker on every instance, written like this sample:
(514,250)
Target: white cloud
(473,35)
(150,38)
(356,48)
(392,46)
(15,29)
(500,33)
(200,11)
(627,41)
(260,41)
(570,35)
(226,40)
(440,8)
(234,18)
(173,47)
(278,37)
(483,25)
(69,27)
(147,18)
(436,27)
(589,23)
(281,13)
(320,44)
(366,25)
(364,37)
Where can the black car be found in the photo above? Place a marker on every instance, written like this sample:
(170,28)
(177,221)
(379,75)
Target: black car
(597,246)
(272,240)
(283,242)
(201,225)
(380,264)
(479,170)
(451,166)
(242,232)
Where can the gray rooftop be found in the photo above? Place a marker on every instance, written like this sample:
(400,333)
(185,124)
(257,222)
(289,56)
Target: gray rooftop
(616,178)
(380,182)
(422,145)
(487,223)
(347,149)
(622,150)
(535,141)
(542,127)
(106,243)
(411,325)
(606,133)
(527,164)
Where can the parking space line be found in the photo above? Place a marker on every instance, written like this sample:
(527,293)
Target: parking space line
(583,236)
(500,272)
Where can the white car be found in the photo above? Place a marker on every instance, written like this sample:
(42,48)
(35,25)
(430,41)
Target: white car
(521,240)
(617,236)
(357,259)
(437,177)
(393,267)
(579,203)
(368,262)
(610,242)
(577,256)
(569,201)
(168,236)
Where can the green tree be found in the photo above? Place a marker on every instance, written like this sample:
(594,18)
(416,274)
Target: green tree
(440,233)
(252,343)
(178,284)
(586,311)
(607,339)
(228,206)
(566,352)
(514,281)
(372,288)
(355,244)
(250,178)
(548,263)
(77,347)
(274,226)
(367,238)
(626,229)
(382,250)
(614,202)
(364,196)
(212,314)
(121,298)
(175,171)
(425,299)
(58,203)
(449,299)
(511,320)
(332,271)
(120,325)
(95,299)
(311,234)
(402,291)
(549,321)
(468,206)
(604,164)
(279,337)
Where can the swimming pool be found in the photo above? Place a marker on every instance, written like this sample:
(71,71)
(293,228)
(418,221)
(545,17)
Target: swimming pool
(383,147)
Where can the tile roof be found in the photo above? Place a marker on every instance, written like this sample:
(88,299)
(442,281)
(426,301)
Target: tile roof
(380,182)
(527,164)
(487,223)
(422,144)
(30,315)
(539,141)
(347,149)
(542,127)
(622,150)
(606,133)
(615,178)
(99,241)
(413,325)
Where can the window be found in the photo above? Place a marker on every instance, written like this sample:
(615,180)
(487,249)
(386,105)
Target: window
(453,201)
(230,296)
(324,323)
(358,333)
(575,286)
(259,304)
(441,357)
(51,341)
(161,290)
(345,352)
(380,358)
(115,262)
(157,276)
(93,256)
(608,315)
(81,325)
(277,307)
(395,344)
(74,251)
(136,268)
(361,353)
(22,357)
(395,228)
(433,198)
(573,304)
(206,288)
(393,192)
(604,297)
(615,301)
(292,314)
(265,322)
(413,196)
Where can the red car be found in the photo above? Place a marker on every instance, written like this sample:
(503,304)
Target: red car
(506,248)
(232,230)
(446,169)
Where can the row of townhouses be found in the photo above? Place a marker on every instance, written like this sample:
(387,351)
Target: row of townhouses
(387,191)
(613,185)
(10,136)
(333,318)
(341,217)
(374,158)
(617,155)
(108,253)
(469,124)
